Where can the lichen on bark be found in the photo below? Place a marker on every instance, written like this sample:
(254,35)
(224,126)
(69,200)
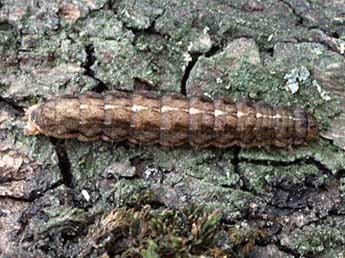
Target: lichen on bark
(251,203)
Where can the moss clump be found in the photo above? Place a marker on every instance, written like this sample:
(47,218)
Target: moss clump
(149,233)
(244,238)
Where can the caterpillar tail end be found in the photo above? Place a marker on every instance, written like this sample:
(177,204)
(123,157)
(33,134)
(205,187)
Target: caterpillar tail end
(31,128)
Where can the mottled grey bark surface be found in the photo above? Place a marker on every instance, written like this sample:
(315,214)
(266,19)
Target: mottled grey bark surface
(67,199)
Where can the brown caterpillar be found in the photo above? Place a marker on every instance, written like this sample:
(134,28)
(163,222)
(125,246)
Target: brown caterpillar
(171,120)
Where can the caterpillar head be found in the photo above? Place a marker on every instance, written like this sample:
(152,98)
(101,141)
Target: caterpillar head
(31,127)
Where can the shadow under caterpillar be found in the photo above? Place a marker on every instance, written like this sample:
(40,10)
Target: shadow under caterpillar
(171,120)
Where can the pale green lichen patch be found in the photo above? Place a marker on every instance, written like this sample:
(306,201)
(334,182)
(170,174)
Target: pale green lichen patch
(139,14)
(118,63)
(101,24)
(319,239)
(122,192)
(167,72)
(49,65)
(263,85)
(211,74)
(310,54)
(263,178)
(241,75)
(86,168)
(39,149)
(206,176)
(328,155)
(209,166)
(238,48)
(63,218)
(29,166)
(8,49)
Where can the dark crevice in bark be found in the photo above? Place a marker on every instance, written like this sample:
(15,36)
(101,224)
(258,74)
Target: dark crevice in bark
(6,26)
(187,71)
(287,250)
(340,174)
(109,5)
(63,162)
(320,166)
(300,19)
(18,48)
(236,164)
(309,160)
(250,7)
(150,30)
(12,104)
(333,35)
(334,212)
(90,60)
(215,49)
(16,199)
(329,47)
(270,51)
(266,51)
(37,194)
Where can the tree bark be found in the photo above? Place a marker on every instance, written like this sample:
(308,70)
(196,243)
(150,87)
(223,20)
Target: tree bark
(64,198)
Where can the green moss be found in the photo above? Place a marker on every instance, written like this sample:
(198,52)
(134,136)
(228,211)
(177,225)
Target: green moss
(37,148)
(130,194)
(244,237)
(166,233)
(188,232)
(151,251)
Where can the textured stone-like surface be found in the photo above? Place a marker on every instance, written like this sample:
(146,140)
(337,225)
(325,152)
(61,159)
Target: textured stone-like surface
(28,168)
(272,202)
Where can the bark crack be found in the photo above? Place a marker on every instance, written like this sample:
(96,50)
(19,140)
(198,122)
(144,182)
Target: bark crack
(90,60)
(309,160)
(287,250)
(12,104)
(194,59)
(187,71)
(300,18)
(63,162)
(236,162)
(329,39)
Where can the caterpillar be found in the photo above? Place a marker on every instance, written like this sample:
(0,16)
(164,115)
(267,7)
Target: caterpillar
(171,120)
